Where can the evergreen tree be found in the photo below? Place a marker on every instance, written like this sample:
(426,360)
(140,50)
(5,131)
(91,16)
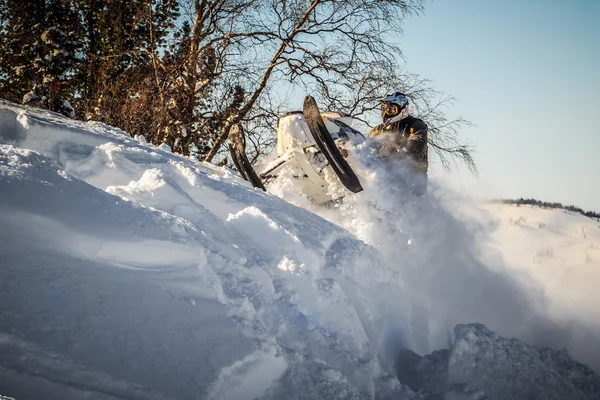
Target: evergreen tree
(62,46)
(41,42)
(22,25)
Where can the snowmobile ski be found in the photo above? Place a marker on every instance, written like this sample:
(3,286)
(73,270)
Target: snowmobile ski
(324,141)
(237,149)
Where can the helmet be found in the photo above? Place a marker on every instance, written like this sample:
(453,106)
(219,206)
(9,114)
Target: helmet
(393,104)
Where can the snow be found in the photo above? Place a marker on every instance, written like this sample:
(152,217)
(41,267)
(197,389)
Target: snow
(509,369)
(559,252)
(147,267)
(80,288)
(559,248)
(131,272)
(481,364)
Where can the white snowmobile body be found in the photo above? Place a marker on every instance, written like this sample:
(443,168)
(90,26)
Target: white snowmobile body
(298,152)
(312,149)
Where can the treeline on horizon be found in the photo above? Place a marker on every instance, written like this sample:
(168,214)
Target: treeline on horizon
(545,204)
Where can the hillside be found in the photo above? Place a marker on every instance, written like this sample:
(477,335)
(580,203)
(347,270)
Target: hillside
(559,252)
(129,272)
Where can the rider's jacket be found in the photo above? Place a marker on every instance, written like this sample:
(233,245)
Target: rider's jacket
(407,135)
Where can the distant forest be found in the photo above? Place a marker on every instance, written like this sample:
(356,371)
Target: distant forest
(545,204)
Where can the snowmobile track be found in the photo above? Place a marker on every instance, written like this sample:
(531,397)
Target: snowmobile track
(321,135)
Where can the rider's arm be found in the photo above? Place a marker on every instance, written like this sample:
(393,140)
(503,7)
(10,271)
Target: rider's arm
(376,131)
(417,139)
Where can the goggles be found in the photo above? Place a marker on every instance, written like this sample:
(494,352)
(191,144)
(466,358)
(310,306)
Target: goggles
(389,110)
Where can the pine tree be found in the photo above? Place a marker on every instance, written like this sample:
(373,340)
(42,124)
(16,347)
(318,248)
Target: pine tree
(41,48)
(89,11)
(22,25)
(62,48)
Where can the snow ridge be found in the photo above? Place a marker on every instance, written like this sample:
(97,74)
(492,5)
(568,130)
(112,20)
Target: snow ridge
(131,272)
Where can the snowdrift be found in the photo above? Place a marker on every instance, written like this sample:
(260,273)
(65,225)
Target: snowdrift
(129,272)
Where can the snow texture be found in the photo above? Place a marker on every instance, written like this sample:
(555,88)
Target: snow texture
(482,364)
(128,272)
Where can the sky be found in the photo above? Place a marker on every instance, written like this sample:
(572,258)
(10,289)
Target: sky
(527,74)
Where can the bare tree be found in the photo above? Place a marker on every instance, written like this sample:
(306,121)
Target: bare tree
(345,52)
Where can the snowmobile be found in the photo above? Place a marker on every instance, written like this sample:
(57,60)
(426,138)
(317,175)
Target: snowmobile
(314,144)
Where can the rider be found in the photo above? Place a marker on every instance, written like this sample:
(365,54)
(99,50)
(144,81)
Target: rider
(401,133)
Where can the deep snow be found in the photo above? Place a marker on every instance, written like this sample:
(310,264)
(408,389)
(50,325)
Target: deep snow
(130,272)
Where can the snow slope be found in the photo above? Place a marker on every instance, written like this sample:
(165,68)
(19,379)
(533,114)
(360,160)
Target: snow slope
(558,251)
(129,272)
(463,261)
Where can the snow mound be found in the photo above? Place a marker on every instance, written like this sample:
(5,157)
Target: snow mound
(560,251)
(139,273)
(131,272)
(483,365)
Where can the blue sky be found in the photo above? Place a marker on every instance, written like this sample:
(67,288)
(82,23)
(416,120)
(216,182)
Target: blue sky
(527,73)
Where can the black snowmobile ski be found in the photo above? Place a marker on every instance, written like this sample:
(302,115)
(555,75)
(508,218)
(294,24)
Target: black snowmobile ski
(319,132)
(237,149)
